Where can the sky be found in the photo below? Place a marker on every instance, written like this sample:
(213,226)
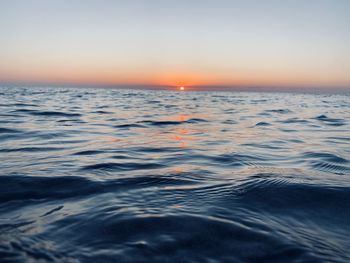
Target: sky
(301,43)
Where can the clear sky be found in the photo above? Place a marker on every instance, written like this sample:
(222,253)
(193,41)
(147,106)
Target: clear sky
(183,42)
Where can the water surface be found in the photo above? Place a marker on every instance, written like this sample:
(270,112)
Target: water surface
(103,175)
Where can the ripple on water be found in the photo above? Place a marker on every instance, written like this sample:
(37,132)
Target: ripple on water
(327,162)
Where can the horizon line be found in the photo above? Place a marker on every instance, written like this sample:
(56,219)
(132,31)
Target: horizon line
(209,87)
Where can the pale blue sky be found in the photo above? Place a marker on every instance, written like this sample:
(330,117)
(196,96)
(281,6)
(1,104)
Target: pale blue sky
(300,42)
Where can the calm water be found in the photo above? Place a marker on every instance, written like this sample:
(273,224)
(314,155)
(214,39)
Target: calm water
(102,175)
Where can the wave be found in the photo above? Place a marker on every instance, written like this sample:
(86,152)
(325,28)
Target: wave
(7,130)
(47,113)
(15,188)
(123,166)
(262,123)
(131,125)
(32,149)
(280,111)
(166,123)
(330,121)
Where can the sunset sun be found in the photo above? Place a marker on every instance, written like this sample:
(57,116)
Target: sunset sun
(182,88)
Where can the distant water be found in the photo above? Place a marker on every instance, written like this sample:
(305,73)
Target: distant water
(102,175)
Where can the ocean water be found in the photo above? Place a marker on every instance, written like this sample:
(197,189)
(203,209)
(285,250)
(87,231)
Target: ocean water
(106,175)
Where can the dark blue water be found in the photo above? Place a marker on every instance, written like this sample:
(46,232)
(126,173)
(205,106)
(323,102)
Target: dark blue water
(102,175)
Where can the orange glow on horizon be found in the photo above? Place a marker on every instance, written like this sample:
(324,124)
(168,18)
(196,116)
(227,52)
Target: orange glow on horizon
(172,79)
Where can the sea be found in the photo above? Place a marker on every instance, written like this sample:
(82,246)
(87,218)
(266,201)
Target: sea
(126,175)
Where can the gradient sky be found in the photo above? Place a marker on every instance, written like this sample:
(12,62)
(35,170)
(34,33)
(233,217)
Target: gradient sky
(166,42)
